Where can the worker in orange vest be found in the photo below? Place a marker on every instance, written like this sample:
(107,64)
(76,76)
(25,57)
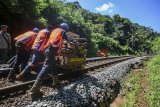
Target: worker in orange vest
(38,52)
(52,49)
(23,45)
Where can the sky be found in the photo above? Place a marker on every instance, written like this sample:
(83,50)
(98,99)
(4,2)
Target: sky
(143,12)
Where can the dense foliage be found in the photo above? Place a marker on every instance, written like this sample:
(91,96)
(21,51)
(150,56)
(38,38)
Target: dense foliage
(156,45)
(118,34)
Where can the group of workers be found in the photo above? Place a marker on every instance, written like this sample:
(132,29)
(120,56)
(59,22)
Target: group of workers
(44,45)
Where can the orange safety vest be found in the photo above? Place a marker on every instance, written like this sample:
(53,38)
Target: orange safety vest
(56,39)
(40,40)
(27,39)
(19,37)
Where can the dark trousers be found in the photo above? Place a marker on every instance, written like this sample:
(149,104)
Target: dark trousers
(3,55)
(49,63)
(22,58)
(37,57)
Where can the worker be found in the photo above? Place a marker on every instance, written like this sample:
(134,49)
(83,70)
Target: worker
(23,45)
(52,49)
(38,53)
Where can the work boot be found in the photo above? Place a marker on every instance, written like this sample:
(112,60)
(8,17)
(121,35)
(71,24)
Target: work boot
(35,92)
(20,77)
(23,76)
(36,87)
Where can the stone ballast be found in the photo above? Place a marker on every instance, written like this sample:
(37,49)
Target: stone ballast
(93,91)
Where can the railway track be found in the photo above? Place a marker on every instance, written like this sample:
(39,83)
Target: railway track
(10,91)
(87,60)
(4,68)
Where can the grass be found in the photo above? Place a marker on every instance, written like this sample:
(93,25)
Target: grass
(154,68)
(145,86)
(130,88)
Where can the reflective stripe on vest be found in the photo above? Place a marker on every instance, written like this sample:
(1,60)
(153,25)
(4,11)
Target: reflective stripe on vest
(40,40)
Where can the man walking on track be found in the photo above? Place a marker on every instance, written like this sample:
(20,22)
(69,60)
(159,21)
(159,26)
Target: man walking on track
(37,48)
(23,45)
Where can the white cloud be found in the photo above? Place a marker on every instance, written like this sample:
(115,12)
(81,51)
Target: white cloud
(105,7)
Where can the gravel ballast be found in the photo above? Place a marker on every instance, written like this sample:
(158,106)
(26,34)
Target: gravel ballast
(94,91)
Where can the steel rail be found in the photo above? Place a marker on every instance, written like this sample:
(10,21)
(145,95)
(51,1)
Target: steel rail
(24,86)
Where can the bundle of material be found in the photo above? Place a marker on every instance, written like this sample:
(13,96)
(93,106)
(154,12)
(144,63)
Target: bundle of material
(73,55)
